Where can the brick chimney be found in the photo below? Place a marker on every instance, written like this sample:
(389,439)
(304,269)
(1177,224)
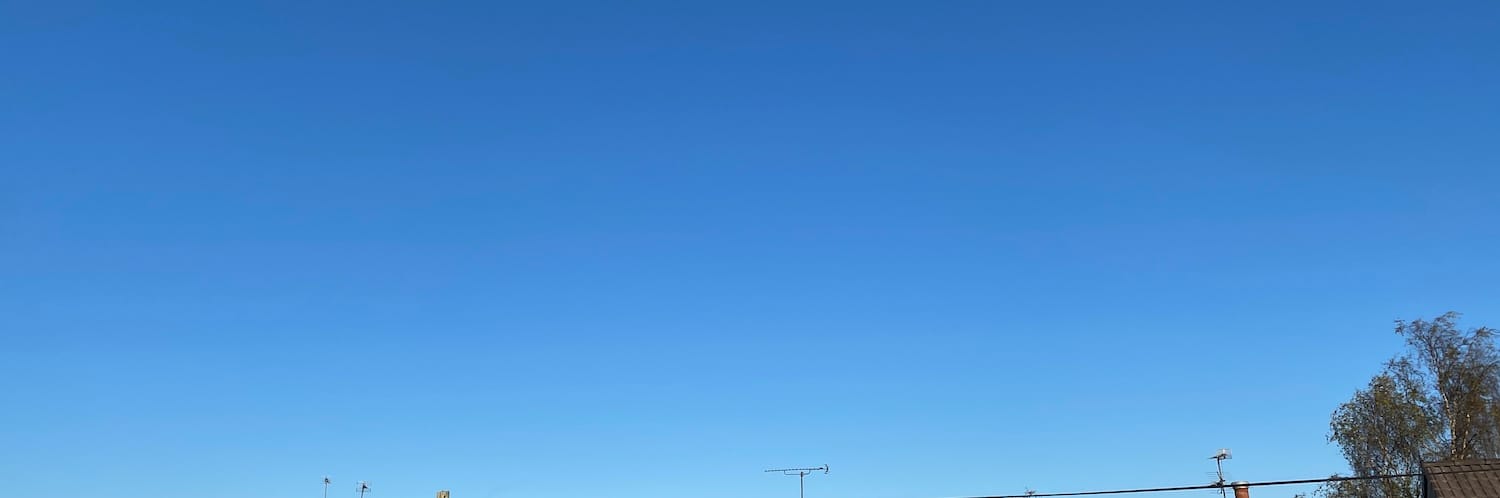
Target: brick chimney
(1241,489)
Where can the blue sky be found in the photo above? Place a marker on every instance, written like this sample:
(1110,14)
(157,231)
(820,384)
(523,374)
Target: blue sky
(648,250)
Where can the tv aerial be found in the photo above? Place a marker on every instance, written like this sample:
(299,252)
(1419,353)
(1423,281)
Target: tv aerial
(326,482)
(801,474)
(363,487)
(1219,458)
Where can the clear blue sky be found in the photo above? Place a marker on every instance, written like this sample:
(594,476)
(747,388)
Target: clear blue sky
(647,250)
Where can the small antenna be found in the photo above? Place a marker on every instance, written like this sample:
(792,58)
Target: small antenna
(801,474)
(363,487)
(1219,459)
(326,482)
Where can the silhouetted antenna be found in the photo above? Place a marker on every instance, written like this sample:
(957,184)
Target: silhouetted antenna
(326,482)
(1219,459)
(363,487)
(801,474)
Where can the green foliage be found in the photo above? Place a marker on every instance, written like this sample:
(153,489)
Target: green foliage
(1440,400)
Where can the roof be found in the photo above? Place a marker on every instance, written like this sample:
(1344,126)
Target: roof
(1462,479)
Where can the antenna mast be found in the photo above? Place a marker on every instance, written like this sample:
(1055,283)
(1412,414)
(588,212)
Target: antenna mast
(363,487)
(801,474)
(1219,459)
(326,482)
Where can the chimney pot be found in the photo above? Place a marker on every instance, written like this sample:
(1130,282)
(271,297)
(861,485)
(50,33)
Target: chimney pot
(1241,489)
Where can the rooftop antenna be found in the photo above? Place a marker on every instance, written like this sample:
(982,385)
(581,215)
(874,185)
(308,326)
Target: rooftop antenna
(801,474)
(363,487)
(326,482)
(1219,459)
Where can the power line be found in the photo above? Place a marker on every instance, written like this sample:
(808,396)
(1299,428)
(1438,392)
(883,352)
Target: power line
(1247,484)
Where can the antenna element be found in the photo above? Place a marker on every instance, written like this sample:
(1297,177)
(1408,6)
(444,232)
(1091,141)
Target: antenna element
(801,474)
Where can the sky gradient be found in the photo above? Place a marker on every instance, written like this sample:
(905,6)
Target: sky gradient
(649,249)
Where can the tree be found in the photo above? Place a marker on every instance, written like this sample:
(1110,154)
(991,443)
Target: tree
(1440,400)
